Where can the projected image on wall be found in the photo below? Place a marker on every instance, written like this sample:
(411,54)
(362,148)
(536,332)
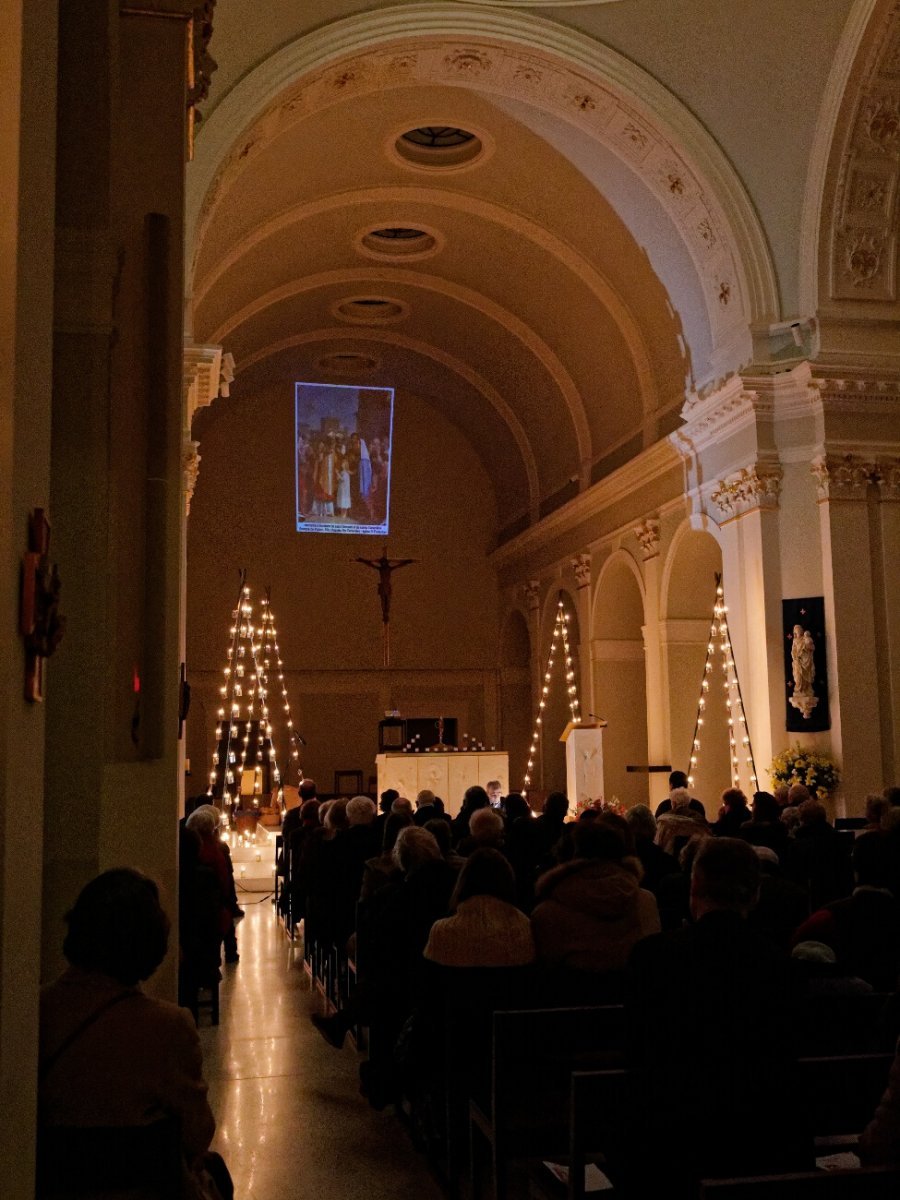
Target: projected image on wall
(343,458)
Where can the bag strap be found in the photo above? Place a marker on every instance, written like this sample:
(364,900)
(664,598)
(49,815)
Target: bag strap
(51,1060)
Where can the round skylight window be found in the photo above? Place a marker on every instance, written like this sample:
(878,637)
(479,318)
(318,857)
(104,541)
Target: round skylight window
(348,362)
(433,146)
(400,242)
(370,310)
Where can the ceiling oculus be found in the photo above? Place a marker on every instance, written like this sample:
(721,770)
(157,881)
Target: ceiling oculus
(405,243)
(369,310)
(347,362)
(438,147)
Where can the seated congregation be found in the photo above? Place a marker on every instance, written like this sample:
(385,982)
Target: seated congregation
(721,993)
(701,1008)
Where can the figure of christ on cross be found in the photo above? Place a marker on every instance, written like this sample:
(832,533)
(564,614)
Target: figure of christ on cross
(385,567)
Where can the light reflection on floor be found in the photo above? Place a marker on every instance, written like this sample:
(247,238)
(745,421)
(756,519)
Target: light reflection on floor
(291,1122)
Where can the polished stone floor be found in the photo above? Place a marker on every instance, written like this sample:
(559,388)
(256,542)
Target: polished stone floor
(291,1122)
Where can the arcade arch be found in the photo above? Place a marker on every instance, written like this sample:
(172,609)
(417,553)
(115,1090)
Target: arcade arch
(620,688)
(516,716)
(689,590)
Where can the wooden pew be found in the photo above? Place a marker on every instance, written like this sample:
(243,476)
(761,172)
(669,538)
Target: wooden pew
(868,1183)
(842,1092)
(525,1113)
(837,1025)
(597,1107)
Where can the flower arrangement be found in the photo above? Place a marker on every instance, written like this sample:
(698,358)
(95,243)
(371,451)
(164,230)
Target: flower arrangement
(600,804)
(818,772)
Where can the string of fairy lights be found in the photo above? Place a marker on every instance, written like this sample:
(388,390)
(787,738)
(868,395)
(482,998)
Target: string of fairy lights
(560,637)
(719,643)
(249,655)
(268,647)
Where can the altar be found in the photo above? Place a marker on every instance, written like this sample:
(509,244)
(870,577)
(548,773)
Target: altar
(446,773)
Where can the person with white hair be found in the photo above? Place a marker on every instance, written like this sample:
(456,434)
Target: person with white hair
(681,822)
(213,854)
(486,828)
(656,862)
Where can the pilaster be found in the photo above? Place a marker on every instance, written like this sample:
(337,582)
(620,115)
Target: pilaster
(847,487)
(531,593)
(658,733)
(28,57)
(117,452)
(581,565)
(887,558)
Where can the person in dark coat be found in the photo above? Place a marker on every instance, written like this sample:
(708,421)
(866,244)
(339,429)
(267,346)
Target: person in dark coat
(391,937)
(821,860)
(710,1012)
(765,827)
(863,929)
(656,862)
(475,797)
(733,813)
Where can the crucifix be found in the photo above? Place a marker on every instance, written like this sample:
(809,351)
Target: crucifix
(385,567)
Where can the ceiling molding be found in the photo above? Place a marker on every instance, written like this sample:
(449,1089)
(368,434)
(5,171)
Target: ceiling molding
(535,60)
(395,276)
(823,138)
(595,281)
(628,480)
(862,221)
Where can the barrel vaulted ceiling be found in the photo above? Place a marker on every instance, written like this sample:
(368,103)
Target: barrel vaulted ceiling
(557,303)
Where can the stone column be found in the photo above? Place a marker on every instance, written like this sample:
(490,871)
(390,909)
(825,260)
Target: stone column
(200,386)
(658,737)
(747,506)
(854,671)
(889,497)
(532,594)
(117,449)
(581,565)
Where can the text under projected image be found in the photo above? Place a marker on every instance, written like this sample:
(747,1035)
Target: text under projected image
(343,439)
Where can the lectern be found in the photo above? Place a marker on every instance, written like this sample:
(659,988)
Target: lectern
(584,761)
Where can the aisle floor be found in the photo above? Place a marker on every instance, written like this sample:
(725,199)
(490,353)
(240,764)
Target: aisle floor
(291,1123)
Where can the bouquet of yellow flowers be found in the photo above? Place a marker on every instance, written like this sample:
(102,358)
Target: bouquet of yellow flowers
(816,771)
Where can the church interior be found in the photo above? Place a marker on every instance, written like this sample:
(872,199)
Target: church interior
(629,270)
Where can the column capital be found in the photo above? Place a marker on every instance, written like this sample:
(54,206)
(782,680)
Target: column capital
(581,565)
(843,476)
(200,377)
(648,535)
(532,593)
(751,489)
(190,469)
(889,478)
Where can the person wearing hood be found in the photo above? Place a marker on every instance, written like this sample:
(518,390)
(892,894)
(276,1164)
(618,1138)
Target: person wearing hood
(592,910)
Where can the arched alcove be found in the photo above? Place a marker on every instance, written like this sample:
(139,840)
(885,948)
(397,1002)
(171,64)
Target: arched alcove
(515,694)
(620,689)
(688,597)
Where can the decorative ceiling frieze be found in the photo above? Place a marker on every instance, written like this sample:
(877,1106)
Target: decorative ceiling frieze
(535,61)
(864,247)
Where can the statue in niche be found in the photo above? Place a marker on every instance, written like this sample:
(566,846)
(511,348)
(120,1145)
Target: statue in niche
(803,665)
